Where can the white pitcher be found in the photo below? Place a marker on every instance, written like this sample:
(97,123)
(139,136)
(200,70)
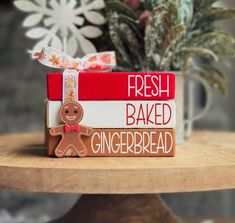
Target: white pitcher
(180,120)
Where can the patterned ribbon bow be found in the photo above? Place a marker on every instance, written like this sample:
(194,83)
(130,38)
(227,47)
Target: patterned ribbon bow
(92,62)
(69,128)
(50,57)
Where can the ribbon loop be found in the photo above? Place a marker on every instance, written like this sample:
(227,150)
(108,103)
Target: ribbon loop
(102,61)
(50,57)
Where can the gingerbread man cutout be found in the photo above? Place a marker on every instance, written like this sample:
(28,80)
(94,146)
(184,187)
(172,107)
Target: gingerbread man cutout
(71,114)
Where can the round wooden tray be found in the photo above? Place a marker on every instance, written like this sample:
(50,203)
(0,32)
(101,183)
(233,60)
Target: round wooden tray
(205,162)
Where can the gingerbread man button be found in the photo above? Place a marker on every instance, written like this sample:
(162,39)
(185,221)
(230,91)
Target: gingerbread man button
(71,114)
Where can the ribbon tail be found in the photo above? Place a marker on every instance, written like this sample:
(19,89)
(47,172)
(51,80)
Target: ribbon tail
(70,85)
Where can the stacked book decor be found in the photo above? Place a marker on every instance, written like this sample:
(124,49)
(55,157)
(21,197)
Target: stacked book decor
(91,111)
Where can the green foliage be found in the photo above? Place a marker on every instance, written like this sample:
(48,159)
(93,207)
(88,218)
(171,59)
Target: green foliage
(120,8)
(125,36)
(167,43)
(162,35)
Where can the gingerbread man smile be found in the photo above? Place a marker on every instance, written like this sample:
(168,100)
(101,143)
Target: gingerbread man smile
(71,118)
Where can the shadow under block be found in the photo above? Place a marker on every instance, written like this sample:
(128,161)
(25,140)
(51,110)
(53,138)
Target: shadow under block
(123,143)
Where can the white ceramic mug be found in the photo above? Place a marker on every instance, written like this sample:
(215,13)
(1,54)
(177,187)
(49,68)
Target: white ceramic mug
(180,120)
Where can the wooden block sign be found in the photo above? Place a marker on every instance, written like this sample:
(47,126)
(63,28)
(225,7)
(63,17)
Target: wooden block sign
(120,114)
(122,143)
(116,86)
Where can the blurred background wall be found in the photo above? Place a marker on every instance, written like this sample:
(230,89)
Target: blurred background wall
(22,91)
(221,115)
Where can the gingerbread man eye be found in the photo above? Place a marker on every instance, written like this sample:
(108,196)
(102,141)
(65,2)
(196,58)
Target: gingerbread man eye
(75,111)
(66,111)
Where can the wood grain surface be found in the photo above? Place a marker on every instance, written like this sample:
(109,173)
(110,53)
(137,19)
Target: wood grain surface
(205,162)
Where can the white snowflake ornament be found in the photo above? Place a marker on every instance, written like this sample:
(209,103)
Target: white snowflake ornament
(60,23)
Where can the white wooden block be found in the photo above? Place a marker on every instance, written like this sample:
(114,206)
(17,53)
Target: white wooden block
(120,114)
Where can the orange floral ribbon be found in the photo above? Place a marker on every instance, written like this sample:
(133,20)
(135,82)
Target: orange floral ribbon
(50,57)
(102,61)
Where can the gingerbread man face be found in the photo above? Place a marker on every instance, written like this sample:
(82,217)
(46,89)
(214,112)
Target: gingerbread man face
(71,113)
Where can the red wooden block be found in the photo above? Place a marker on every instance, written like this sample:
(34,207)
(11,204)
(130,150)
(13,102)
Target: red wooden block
(116,86)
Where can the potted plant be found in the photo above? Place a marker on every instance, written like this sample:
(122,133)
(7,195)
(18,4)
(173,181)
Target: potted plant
(156,35)
(163,35)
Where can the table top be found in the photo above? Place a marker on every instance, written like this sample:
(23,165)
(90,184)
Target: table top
(205,162)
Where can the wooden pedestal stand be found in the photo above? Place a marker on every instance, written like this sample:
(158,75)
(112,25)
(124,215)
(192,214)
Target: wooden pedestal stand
(205,162)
